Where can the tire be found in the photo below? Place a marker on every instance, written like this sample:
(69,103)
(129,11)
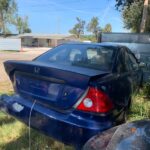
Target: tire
(141,82)
(125,113)
(125,117)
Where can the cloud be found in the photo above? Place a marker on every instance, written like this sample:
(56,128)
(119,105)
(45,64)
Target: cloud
(71,9)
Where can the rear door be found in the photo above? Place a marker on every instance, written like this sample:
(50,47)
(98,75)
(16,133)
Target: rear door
(122,86)
(145,58)
(127,77)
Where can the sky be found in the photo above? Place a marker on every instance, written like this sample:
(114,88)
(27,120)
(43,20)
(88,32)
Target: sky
(59,16)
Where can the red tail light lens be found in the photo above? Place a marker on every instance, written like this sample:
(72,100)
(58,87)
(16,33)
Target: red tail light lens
(95,101)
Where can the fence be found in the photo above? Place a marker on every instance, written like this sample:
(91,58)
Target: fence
(137,43)
(10,44)
(125,37)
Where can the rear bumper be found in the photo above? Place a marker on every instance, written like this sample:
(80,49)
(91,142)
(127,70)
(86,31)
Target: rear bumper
(70,128)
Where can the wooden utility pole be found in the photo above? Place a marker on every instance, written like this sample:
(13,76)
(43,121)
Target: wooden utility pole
(144,16)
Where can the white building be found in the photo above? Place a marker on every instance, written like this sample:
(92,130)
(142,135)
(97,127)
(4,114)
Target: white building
(45,40)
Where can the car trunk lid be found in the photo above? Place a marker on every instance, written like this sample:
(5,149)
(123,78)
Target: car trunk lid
(56,86)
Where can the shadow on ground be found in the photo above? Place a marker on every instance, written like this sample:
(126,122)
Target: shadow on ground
(6,120)
(38,142)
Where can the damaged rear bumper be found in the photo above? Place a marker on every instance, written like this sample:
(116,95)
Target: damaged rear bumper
(69,128)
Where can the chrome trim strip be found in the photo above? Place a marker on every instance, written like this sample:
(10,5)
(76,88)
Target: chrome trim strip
(81,98)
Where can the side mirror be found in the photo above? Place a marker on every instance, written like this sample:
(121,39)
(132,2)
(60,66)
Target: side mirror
(138,56)
(142,64)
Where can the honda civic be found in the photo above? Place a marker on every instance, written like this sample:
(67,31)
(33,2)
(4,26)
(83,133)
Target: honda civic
(74,91)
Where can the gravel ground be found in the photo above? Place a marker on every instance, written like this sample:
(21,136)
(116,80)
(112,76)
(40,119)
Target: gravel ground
(26,55)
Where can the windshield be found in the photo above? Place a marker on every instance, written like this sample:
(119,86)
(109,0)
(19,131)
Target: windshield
(86,56)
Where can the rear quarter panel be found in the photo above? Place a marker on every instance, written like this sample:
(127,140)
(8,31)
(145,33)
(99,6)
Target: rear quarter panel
(118,88)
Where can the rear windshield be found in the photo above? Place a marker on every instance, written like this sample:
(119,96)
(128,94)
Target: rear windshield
(86,56)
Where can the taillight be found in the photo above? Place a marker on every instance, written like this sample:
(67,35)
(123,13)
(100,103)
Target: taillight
(95,101)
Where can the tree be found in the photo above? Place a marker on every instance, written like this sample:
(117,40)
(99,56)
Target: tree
(132,16)
(9,16)
(22,25)
(27,30)
(135,14)
(144,16)
(78,28)
(19,24)
(88,38)
(94,27)
(107,28)
(8,10)
(120,4)
(147,26)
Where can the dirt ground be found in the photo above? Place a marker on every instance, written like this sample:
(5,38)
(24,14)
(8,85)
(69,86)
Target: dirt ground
(26,54)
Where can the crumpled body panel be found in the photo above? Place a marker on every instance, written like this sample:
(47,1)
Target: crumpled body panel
(129,136)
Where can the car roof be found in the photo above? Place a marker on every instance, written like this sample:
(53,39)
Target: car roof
(115,45)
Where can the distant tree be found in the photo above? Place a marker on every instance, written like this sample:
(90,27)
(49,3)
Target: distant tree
(88,38)
(93,26)
(8,10)
(27,30)
(22,25)
(19,24)
(78,28)
(107,28)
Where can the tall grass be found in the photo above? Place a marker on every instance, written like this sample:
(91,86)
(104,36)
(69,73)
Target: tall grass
(14,134)
(146,90)
(140,108)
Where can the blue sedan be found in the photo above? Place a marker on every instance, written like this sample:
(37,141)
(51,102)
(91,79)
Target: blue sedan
(73,91)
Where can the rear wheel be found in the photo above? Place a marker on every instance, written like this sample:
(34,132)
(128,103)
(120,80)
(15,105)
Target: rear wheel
(123,117)
(126,111)
(141,82)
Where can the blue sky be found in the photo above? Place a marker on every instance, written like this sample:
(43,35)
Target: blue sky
(58,16)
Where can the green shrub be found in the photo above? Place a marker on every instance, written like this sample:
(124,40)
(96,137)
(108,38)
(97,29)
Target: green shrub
(146,89)
(140,108)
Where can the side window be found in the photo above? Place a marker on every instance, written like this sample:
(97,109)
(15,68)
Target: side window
(128,62)
(133,61)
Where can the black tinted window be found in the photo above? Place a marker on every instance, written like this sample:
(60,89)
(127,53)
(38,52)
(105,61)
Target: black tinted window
(131,62)
(145,57)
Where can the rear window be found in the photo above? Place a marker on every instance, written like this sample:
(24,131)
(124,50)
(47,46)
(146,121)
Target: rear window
(86,56)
